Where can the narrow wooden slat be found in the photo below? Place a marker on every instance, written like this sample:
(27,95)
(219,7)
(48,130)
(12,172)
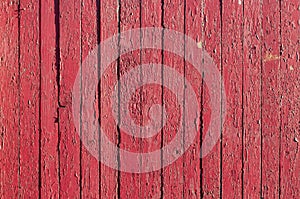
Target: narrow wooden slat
(129,19)
(252,99)
(212,44)
(232,64)
(89,164)
(270,98)
(173,176)
(49,102)
(192,163)
(151,182)
(9,100)
(29,98)
(69,141)
(290,102)
(108,27)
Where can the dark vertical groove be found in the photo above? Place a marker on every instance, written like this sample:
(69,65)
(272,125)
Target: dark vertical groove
(201,134)
(80,128)
(261,99)
(221,136)
(19,98)
(98,10)
(162,101)
(243,90)
(57,57)
(202,103)
(184,85)
(119,93)
(141,93)
(280,111)
(40,100)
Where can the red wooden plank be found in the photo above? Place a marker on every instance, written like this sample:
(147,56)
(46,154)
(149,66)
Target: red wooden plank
(192,168)
(69,142)
(252,99)
(290,103)
(270,98)
(173,18)
(89,164)
(109,10)
(232,64)
(151,182)
(29,98)
(212,44)
(129,19)
(9,100)
(49,102)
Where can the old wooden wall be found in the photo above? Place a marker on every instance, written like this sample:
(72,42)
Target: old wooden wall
(254,44)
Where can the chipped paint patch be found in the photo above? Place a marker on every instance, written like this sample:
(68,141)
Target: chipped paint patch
(291,68)
(199,44)
(270,57)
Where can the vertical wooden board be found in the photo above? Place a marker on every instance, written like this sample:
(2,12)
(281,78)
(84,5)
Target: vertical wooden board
(69,141)
(173,176)
(270,98)
(108,27)
(192,163)
(29,98)
(129,19)
(49,103)
(89,164)
(212,44)
(9,100)
(232,64)
(151,182)
(252,99)
(290,102)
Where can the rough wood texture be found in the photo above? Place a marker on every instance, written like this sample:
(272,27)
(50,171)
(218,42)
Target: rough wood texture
(43,45)
(29,94)
(252,100)
(49,106)
(9,100)
(211,164)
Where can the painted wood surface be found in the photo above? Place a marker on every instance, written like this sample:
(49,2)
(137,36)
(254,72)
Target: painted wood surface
(44,45)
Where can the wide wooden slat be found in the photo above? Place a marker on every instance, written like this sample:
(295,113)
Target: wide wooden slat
(49,102)
(211,165)
(173,176)
(89,163)
(129,19)
(9,100)
(252,99)
(29,98)
(69,142)
(151,186)
(232,65)
(290,103)
(270,98)
(192,168)
(109,13)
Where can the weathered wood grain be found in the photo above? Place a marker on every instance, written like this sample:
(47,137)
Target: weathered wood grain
(252,99)
(43,45)
(89,164)
(232,66)
(49,168)
(29,98)
(9,100)
(290,102)
(270,98)
(70,175)
(211,164)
